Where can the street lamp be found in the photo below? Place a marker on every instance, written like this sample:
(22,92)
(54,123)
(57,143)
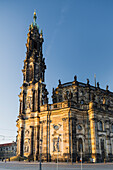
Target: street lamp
(67,154)
(81,157)
(57,151)
(40,153)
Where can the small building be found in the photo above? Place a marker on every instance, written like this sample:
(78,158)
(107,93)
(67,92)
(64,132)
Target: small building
(7,150)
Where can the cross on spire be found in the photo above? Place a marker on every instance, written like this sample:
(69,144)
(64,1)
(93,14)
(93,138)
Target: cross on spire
(34,17)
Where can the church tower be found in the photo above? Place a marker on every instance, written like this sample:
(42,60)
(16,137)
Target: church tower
(33,94)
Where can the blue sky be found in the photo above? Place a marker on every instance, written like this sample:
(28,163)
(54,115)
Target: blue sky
(78,40)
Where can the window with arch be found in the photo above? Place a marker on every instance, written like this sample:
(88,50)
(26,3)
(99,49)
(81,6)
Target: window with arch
(80,145)
(31,73)
(102,144)
(100,125)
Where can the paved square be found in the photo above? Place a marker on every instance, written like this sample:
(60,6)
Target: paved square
(53,166)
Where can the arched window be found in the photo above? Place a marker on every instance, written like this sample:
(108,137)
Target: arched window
(100,126)
(31,73)
(35,45)
(80,145)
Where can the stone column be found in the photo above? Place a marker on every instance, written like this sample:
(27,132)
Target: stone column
(17,150)
(43,76)
(93,129)
(23,108)
(41,137)
(34,71)
(70,136)
(20,109)
(33,100)
(21,141)
(74,140)
(37,99)
(108,146)
(45,141)
(36,142)
(31,140)
(65,139)
(72,143)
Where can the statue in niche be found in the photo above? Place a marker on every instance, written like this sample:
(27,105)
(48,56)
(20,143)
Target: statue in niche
(26,147)
(27,133)
(56,145)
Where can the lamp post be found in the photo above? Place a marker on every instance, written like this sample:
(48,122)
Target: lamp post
(67,154)
(40,153)
(81,157)
(57,151)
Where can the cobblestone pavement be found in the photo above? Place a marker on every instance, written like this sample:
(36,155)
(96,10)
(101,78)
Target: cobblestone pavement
(53,166)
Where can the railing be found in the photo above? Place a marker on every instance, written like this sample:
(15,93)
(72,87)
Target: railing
(72,104)
(62,105)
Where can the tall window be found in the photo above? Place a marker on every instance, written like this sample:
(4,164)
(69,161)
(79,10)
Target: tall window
(100,126)
(35,45)
(80,145)
(31,73)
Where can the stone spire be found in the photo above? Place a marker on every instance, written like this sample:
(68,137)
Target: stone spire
(34,64)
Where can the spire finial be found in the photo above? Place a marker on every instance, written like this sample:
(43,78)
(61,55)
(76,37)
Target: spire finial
(41,34)
(34,17)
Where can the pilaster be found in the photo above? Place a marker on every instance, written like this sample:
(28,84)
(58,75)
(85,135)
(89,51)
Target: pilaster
(93,128)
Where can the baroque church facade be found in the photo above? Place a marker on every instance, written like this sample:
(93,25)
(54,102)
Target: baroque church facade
(80,120)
